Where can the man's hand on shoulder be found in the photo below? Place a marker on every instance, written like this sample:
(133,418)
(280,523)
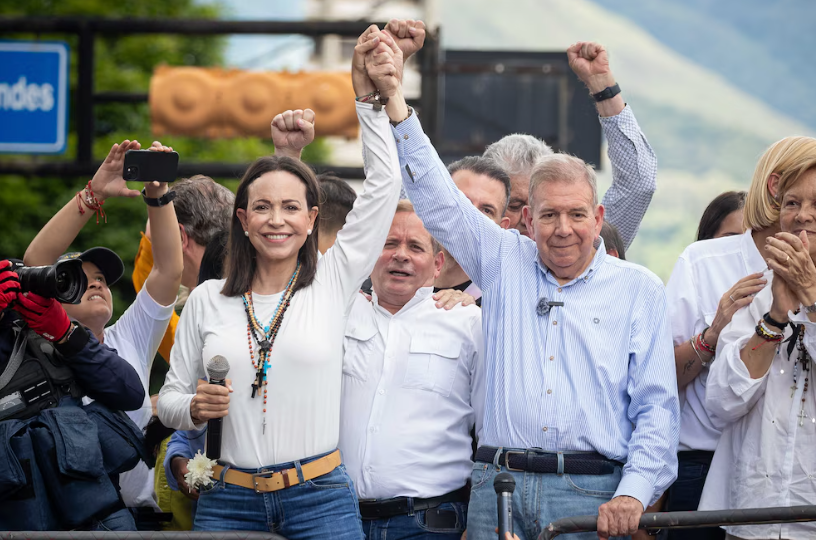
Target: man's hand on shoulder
(448,298)
(619,517)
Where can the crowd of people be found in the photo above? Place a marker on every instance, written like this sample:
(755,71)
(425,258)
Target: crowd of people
(391,353)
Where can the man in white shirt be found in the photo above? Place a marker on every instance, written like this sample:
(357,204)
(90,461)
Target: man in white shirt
(412,393)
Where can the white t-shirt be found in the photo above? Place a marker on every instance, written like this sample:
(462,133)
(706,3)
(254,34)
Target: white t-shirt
(304,380)
(703,274)
(413,385)
(136,336)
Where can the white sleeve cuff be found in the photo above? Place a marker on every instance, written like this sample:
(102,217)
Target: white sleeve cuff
(634,485)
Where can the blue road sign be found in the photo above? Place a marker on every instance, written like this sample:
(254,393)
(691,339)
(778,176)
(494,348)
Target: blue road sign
(33,97)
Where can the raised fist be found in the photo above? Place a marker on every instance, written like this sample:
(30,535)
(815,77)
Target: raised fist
(381,65)
(409,36)
(292,131)
(590,63)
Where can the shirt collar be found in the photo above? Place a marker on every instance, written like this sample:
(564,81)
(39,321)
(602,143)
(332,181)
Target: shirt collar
(753,258)
(597,261)
(421,294)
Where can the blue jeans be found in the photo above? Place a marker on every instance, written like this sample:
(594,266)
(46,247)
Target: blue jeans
(685,493)
(415,526)
(320,508)
(538,500)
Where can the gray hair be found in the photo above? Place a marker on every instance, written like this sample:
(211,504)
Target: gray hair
(517,154)
(563,168)
(485,167)
(203,206)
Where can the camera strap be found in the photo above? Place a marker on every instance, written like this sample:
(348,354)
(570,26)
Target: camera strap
(17,355)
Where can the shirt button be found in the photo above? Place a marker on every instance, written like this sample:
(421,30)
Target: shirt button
(555,323)
(544,429)
(559,289)
(405,137)
(549,391)
(382,391)
(552,358)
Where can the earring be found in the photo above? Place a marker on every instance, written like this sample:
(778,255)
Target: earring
(308,231)
(246,233)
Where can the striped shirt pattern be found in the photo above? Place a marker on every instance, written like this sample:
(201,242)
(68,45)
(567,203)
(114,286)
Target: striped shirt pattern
(594,375)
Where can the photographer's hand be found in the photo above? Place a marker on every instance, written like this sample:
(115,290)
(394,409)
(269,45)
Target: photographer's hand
(54,239)
(43,315)
(9,285)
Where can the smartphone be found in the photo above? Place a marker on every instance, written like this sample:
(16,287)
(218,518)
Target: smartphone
(150,166)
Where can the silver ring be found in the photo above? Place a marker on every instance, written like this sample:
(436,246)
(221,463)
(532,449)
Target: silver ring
(732,298)
(788,258)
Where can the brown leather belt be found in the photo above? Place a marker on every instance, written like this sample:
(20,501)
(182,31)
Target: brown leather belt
(265,482)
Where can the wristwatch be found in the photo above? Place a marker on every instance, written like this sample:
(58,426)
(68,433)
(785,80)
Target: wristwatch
(161,201)
(607,93)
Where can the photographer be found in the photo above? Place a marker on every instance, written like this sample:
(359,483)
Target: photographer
(139,331)
(47,363)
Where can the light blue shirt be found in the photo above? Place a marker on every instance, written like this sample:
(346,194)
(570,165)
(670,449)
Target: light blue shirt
(596,375)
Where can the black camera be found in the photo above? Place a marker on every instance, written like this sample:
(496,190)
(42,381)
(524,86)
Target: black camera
(65,280)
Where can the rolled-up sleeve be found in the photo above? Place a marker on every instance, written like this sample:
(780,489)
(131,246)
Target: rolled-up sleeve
(634,173)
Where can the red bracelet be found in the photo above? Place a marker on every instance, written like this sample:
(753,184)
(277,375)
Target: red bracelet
(93,203)
(79,203)
(701,343)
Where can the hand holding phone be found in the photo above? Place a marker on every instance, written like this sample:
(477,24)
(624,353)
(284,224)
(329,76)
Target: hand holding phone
(158,164)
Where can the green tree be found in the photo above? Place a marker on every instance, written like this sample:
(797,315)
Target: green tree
(122,63)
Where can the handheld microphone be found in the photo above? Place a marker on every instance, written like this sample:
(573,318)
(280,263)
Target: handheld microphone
(504,484)
(217,369)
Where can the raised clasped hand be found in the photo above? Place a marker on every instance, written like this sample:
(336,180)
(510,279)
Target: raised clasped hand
(409,36)
(381,64)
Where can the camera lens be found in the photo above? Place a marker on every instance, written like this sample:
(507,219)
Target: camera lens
(65,281)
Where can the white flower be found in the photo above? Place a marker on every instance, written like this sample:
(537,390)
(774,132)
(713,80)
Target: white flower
(199,471)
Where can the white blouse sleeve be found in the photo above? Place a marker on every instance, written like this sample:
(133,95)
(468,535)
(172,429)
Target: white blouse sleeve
(730,391)
(359,243)
(186,366)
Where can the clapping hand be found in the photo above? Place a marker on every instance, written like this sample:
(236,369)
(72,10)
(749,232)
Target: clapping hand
(789,258)
(292,131)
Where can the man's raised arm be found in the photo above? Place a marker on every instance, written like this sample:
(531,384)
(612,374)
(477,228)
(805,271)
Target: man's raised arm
(634,165)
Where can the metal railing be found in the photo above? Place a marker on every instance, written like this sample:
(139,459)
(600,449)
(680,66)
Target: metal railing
(690,520)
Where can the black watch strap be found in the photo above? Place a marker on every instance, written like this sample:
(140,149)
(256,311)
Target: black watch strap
(776,324)
(607,93)
(161,201)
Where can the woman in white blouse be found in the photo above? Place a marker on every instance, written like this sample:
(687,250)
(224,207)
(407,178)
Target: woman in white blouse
(279,320)
(760,382)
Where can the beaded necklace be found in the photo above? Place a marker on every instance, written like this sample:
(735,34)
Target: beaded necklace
(265,336)
(804,359)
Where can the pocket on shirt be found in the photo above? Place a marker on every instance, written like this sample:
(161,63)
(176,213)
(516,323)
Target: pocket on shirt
(358,344)
(432,363)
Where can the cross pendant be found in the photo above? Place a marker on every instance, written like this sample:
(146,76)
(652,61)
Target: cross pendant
(793,390)
(254,389)
(802,417)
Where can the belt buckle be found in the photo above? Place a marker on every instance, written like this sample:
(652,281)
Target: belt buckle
(507,459)
(269,474)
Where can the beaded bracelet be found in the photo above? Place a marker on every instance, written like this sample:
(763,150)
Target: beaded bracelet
(93,203)
(766,334)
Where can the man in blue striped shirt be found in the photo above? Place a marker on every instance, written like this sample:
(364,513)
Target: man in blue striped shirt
(581,400)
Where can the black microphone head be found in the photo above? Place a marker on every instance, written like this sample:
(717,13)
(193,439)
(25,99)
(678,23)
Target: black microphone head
(504,483)
(217,368)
